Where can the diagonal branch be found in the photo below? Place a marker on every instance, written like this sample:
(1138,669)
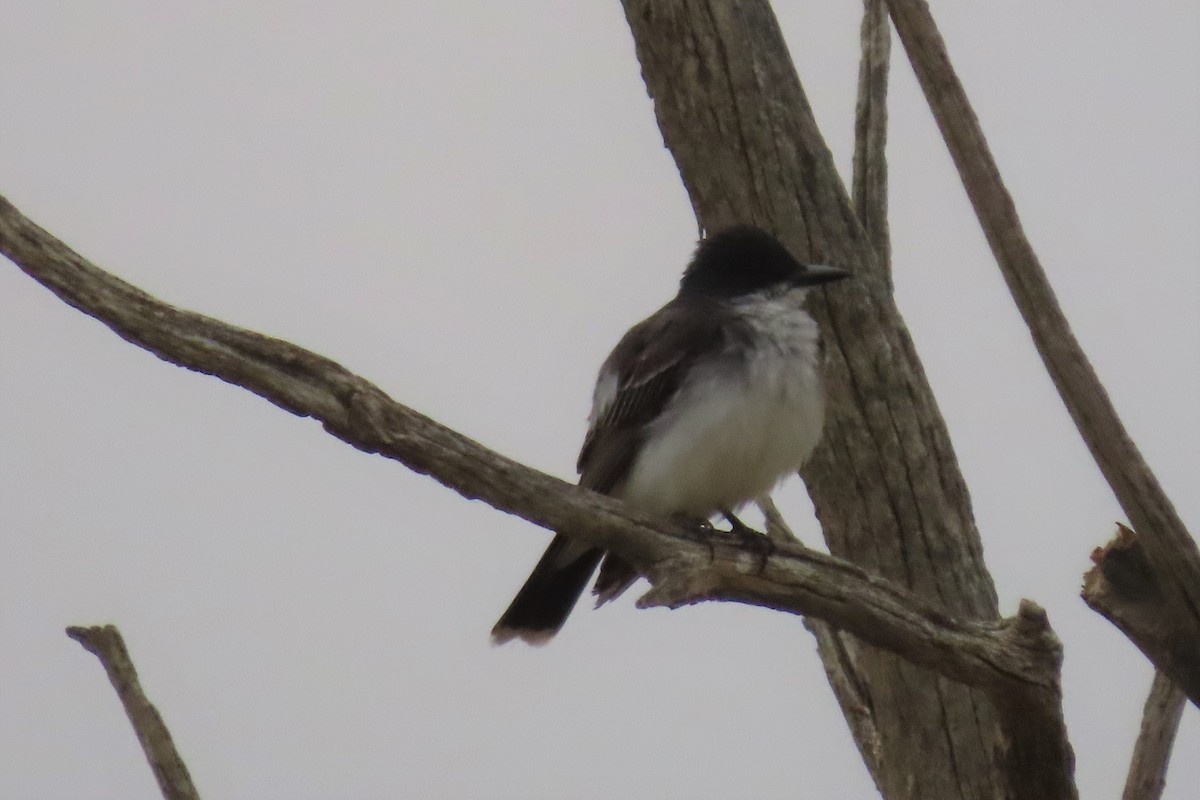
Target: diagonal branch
(106,644)
(840,654)
(1014,657)
(1169,548)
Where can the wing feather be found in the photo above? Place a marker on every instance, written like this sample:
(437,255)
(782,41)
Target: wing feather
(648,365)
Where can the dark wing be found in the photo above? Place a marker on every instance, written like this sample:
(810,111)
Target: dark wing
(637,382)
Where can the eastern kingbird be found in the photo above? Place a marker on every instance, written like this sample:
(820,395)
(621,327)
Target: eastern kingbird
(703,406)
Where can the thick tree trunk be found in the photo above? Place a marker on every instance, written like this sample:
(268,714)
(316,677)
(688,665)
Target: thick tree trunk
(885,482)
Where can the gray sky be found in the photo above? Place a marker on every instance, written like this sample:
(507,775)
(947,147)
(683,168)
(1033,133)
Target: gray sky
(382,183)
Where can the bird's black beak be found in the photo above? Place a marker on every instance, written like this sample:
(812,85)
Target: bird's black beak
(812,274)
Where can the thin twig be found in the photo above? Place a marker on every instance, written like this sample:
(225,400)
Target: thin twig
(839,656)
(105,642)
(1152,752)
(837,652)
(777,527)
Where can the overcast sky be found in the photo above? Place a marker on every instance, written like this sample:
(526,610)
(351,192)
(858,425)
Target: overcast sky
(468,203)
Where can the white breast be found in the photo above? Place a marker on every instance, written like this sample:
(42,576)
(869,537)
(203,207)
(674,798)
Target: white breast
(737,426)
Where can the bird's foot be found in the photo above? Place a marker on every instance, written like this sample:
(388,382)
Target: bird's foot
(751,539)
(736,525)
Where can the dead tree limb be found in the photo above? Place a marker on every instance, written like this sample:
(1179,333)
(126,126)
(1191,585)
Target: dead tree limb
(105,642)
(869,184)
(1152,753)
(840,653)
(1169,549)
(1124,588)
(685,565)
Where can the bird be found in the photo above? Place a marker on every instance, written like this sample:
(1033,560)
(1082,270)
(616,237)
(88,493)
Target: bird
(703,406)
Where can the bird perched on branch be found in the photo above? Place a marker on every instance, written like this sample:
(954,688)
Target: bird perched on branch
(702,407)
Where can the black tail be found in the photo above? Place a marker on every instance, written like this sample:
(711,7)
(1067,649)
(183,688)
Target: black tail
(546,599)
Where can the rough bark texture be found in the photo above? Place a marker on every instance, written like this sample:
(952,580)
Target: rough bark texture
(1014,657)
(1160,722)
(885,482)
(870,182)
(841,654)
(1124,588)
(1170,550)
(106,644)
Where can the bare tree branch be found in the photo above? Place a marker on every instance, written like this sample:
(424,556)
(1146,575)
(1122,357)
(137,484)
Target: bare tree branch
(106,644)
(776,526)
(839,653)
(1152,752)
(685,565)
(1124,589)
(1170,550)
(870,181)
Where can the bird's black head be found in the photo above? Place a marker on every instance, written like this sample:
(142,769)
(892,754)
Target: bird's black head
(743,260)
